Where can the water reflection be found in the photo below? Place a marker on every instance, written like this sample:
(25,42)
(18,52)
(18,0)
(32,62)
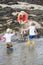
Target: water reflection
(21,54)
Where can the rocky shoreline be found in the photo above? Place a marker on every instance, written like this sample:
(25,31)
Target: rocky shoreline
(8,14)
(10,2)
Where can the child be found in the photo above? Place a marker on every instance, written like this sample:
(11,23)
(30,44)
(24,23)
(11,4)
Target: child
(7,37)
(32,33)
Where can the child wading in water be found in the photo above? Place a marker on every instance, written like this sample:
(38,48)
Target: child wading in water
(32,34)
(7,37)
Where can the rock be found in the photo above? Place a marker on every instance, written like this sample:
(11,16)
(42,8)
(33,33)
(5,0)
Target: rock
(36,23)
(8,14)
(15,13)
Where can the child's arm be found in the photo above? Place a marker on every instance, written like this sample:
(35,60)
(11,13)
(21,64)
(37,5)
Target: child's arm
(13,33)
(26,29)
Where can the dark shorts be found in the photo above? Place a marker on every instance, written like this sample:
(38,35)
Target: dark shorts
(32,36)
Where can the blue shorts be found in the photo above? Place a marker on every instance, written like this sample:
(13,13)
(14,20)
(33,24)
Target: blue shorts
(32,36)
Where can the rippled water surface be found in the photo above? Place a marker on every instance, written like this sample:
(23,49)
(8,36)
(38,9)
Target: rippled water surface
(22,54)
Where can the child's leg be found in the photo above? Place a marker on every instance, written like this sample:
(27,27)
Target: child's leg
(33,42)
(9,45)
(28,42)
(21,36)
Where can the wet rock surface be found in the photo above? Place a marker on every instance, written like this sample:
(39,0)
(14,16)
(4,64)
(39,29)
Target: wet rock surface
(8,14)
(40,2)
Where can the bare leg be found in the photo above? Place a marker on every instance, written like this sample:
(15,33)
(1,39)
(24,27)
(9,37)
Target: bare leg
(9,45)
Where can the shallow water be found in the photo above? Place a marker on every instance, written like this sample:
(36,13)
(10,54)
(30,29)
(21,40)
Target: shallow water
(22,54)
